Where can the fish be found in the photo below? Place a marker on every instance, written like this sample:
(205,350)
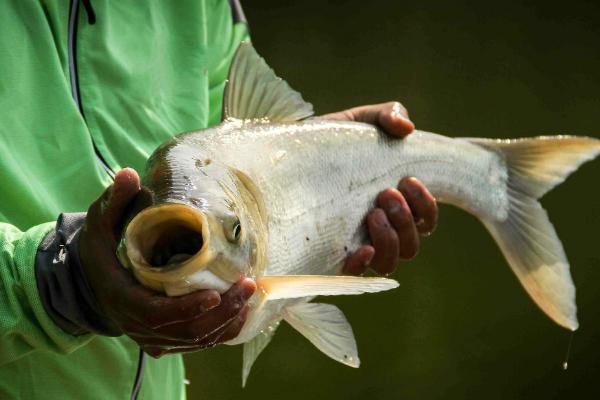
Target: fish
(278,195)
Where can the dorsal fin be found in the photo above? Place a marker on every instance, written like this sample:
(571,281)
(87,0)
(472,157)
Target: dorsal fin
(253,91)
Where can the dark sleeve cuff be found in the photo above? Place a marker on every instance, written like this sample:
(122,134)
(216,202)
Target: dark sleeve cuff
(64,291)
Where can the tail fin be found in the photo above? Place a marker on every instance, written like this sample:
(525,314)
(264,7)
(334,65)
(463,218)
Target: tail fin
(527,238)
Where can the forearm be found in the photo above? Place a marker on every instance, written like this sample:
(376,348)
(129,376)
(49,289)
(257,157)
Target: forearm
(25,325)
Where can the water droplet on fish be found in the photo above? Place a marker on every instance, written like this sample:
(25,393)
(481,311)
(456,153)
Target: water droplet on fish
(278,156)
(186,382)
(200,203)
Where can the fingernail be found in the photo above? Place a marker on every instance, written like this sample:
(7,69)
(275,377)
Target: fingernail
(369,259)
(249,288)
(381,219)
(210,303)
(398,112)
(413,187)
(406,182)
(392,206)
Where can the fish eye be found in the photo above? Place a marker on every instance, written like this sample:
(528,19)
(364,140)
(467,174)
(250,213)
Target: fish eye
(235,232)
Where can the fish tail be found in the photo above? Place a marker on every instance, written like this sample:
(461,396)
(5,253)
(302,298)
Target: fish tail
(526,237)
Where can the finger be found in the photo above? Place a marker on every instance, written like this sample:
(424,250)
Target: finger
(400,216)
(158,351)
(142,200)
(107,211)
(391,116)
(422,204)
(145,336)
(154,310)
(153,351)
(151,339)
(234,328)
(232,303)
(226,333)
(161,342)
(385,242)
(125,188)
(358,262)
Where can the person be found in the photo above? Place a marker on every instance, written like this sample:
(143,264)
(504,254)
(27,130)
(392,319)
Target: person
(86,89)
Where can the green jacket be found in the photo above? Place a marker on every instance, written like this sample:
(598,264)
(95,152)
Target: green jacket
(144,70)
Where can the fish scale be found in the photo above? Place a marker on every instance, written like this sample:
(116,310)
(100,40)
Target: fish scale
(281,198)
(329,208)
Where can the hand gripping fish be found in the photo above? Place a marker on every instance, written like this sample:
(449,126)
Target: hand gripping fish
(265,195)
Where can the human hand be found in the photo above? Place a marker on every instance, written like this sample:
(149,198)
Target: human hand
(402,214)
(159,324)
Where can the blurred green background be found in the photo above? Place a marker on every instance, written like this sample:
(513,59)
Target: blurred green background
(460,326)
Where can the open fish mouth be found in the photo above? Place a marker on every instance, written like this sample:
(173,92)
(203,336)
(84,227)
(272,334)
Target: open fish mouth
(168,248)
(166,236)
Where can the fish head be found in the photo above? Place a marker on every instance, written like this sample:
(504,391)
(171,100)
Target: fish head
(201,230)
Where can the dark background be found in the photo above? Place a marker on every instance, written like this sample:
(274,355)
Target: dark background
(460,326)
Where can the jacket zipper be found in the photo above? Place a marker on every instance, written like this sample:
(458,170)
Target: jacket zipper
(72,42)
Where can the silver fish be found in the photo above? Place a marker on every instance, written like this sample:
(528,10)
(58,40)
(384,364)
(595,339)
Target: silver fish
(280,197)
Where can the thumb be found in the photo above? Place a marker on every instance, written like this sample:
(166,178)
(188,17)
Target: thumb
(122,192)
(393,118)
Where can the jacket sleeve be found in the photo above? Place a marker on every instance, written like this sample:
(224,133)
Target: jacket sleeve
(25,325)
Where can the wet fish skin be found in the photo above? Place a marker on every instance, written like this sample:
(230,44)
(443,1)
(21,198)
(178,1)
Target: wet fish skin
(310,223)
(297,190)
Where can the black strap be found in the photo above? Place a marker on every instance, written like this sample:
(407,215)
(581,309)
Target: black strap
(64,291)
(89,10)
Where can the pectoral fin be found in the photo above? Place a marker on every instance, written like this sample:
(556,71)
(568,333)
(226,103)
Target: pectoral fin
(295,286)
(327,328)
